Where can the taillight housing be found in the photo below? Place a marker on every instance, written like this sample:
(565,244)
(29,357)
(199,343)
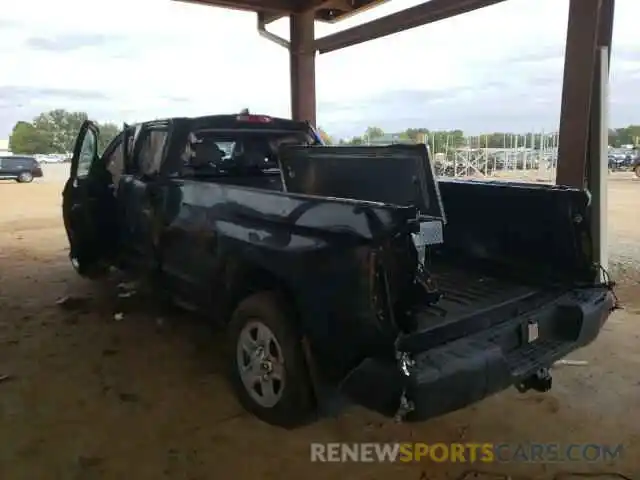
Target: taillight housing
(254,118)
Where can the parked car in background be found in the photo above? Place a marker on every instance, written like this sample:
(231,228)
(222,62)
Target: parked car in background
(51,158)
(620,162)
(21,168)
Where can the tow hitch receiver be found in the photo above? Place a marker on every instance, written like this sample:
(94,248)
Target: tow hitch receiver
(540,382)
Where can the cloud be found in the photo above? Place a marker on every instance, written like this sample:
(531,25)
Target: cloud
(543,54)
(70,42)
(18,95)
(497,106)
(497,68)
(24,103)
(7,24)
(515,104)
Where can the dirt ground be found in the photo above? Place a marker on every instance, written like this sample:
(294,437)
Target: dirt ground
(91,397)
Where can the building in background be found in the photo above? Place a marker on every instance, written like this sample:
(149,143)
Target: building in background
(387,139)
(4,147)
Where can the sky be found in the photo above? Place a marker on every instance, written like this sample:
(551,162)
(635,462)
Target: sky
(496,69)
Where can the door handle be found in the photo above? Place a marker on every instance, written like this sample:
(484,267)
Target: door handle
(153,195)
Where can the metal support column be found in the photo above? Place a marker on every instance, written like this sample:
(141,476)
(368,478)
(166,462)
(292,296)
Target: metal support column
(598,161)
(303,67)
(597,167)
(579,72)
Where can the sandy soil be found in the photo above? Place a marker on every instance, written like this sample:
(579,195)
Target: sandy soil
(144,398)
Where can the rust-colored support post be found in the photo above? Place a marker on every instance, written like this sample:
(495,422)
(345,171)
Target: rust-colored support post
(303,67)
(605,35)
(597,167)
(577,89)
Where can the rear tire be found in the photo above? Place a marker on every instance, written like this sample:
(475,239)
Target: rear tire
(90,270)
(268,370)
(25,177)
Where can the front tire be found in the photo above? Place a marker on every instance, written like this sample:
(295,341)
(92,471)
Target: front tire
(269,373)
(25,177)
(637,171)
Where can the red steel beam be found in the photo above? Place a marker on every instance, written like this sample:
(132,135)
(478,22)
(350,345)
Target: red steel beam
(302,56)
(605,29)
(305,6)
(422,14)
(281,6)
(577,91)
(316,4)
(277,8)
(605,35)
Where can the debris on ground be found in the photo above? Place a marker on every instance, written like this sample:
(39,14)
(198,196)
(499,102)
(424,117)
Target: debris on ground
(594,475)
(127,287)
(118,316)
(128,397)
(89,462)
(69,302)
(482,475)
(571,363)
(463,430)
(5,378)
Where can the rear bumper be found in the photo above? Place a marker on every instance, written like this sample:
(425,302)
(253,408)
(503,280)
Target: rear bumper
(464,371)
(37,172)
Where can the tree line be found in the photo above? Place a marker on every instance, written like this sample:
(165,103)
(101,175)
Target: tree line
(618,137)
(55,131)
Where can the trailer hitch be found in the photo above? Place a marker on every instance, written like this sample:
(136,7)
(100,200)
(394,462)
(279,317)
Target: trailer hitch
(539,381)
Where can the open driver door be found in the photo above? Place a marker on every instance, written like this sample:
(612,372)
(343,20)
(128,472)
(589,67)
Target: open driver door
(89,207)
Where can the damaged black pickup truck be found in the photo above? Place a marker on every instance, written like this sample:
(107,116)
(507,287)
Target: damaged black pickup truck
(341,274)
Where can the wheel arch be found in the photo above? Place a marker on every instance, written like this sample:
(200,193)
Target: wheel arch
(244,279)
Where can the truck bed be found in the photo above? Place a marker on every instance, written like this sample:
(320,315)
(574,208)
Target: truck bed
(472,302)
(467,293)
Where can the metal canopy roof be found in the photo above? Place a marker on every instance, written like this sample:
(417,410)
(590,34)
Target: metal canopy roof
(325,10)
(336,10)
(590,25)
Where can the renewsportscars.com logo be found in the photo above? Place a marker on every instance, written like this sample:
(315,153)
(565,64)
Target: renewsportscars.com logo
(464,452)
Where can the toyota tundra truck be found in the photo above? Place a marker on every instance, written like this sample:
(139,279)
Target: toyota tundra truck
(341,274)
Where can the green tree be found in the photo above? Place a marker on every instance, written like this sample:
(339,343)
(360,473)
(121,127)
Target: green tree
(417,134)
(624,136)
(27,139)
(62,126)
(56,132)
(326,138)
(108,132)
(374,132)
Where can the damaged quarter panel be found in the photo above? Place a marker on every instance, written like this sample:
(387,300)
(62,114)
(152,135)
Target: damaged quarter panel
(320,249)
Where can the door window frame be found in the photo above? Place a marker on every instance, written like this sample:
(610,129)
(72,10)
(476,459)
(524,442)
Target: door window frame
(88,128)
(109,151)
(135,167)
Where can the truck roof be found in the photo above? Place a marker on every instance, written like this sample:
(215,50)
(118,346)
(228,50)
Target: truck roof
(238,121)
